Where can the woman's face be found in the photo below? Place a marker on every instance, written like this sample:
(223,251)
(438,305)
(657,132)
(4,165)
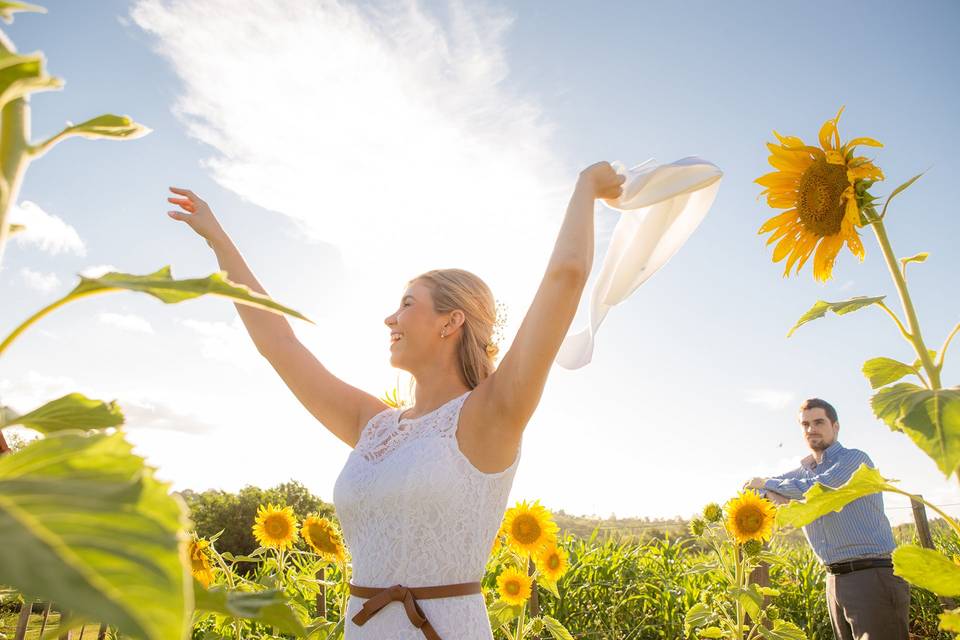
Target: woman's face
(414,328)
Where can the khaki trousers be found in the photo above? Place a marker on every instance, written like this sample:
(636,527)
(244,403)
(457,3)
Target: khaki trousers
(870,604)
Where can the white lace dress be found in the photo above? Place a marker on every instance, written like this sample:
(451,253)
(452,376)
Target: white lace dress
(416,512)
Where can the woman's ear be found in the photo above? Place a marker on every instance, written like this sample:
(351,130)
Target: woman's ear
(457,318)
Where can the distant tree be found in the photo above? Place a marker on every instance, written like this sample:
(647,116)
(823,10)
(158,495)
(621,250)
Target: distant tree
(235,513)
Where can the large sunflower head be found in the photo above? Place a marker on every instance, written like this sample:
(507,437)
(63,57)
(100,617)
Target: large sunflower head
(275,527)
(529,527)
(322,536)
(552,563)
(822,189)
(200,562)
(750,517)
(514,586)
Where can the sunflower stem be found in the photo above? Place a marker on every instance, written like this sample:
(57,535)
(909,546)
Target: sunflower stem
(943,349)
(520,622)
(915,339)
(903,330)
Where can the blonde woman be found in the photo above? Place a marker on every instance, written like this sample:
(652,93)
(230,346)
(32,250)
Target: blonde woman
(424,490)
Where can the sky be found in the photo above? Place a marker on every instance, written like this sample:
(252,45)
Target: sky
(346,147)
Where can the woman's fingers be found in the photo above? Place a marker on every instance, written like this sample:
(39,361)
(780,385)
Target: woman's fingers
(186,192)
(179,215)
(183,202)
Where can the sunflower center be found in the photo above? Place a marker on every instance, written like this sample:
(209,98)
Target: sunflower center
(749,520)
(818,197)
(512,587)
(553,562)
(526,529)
(321,539)
(276,527)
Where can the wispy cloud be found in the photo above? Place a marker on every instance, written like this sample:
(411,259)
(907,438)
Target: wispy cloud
(45,231)
(773,399)
(128,322)
(379,128)
(97,270)
(39,281)
(225,342)
(156,415)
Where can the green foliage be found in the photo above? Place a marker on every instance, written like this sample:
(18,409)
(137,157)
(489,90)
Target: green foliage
(931,417)
(234,513)
(85,523)
(72,411)
(9,7)
(821,307)
(820,499)
(928,569)
(883,371)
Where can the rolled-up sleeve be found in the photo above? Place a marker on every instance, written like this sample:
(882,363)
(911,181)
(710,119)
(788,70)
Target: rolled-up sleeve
(793,485)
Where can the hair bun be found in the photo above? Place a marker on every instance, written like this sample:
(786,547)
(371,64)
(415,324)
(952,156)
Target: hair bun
(492,350)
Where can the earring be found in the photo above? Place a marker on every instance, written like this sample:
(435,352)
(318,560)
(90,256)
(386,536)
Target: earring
(443,334)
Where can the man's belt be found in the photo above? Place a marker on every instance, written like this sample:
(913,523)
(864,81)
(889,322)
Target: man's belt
(849,566)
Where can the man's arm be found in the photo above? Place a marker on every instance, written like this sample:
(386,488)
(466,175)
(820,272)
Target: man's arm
(833,476)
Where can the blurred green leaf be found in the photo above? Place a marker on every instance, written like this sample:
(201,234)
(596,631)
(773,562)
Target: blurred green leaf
(697,616)
(931,417)
(21,75)
(882,371)
(783,631)
(9,7)
(17,228)
(710,632)
(85,524)
(266,607)
(750,600)
(927,569)
(820,499)
(72,411)
(821,307)
(557,630)
(950,620)
(501,613)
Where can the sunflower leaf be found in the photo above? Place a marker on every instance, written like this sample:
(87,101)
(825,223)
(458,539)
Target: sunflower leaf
(819,500)
(104,126)
(9,7)
(783,630)
(843,307)
(697,616)
(950,620)
(928,569)
(501,613)
(268,607)
(883,371)
(920,257)
(72,411)
(897,191)
(931,417)
(85,524)
(556,629)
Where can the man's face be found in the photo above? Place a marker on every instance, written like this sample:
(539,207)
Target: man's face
(819,432)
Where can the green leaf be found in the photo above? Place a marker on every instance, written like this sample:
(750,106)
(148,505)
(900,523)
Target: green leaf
(557,630)
(768,591)
(549,586)
(72,411)
(9,7)
(931,417)
(268,607)
(882,371)
(783,630)
(750,600)
(950,620)
(85,524)
(897,191)
(697,616)
(820,499)
(710,632)
(105,126)
(21,75)
(501,613)
(821,308)
(928,569)
(160,285)
(920,257)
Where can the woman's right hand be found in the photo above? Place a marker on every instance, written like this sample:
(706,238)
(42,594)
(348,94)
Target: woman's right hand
(197,214)
(602,181)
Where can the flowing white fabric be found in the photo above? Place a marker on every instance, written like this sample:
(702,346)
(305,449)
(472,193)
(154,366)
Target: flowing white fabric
(416,512)
(661,207)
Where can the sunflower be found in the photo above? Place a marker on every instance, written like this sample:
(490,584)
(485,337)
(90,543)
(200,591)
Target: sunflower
(514,586)
(275,527)
(323,537)
(200,562)
(819,187)
(712,512)
(552,563)
(750,517)
(529,527)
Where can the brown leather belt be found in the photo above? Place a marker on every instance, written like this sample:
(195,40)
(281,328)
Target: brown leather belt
(378,598)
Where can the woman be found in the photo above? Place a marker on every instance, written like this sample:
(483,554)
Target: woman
(424,490)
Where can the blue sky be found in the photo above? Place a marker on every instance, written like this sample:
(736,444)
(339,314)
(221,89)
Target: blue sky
(348,147)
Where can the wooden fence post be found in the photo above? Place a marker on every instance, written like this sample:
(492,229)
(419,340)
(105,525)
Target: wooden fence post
(23,621)
(534,596)
(926,540)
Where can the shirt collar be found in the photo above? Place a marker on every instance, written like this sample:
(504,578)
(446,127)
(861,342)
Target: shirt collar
(829,453)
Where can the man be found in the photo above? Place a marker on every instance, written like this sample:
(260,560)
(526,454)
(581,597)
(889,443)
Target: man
(865,600)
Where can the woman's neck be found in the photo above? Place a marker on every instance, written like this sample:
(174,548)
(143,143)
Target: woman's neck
(432,390)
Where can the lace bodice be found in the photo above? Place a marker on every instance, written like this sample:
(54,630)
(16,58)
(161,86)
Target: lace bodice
(415,511)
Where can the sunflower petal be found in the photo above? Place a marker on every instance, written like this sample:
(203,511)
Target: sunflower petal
(825,256)
(870,142)
(778,220)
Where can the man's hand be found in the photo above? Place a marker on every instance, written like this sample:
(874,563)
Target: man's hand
(756,483)
(776,498)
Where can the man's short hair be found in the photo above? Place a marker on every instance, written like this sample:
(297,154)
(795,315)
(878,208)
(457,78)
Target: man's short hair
(817,403)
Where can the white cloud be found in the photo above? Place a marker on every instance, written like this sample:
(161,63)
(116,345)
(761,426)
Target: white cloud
(42,282)
(129,322)
(45,231)
(145,413)
(773,399)
(97,270)
(225,342)
(378,128)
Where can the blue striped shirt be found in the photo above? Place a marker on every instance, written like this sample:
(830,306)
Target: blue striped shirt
(860,529)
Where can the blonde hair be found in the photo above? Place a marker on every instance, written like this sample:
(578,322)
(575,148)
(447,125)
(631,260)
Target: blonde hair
(453,289)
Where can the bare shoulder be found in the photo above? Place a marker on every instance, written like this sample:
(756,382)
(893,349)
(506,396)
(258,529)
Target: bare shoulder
(484,434)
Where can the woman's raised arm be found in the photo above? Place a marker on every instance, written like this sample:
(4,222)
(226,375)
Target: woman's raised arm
(341,408)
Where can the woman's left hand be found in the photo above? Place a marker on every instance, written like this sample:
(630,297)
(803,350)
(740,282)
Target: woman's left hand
(602,181)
